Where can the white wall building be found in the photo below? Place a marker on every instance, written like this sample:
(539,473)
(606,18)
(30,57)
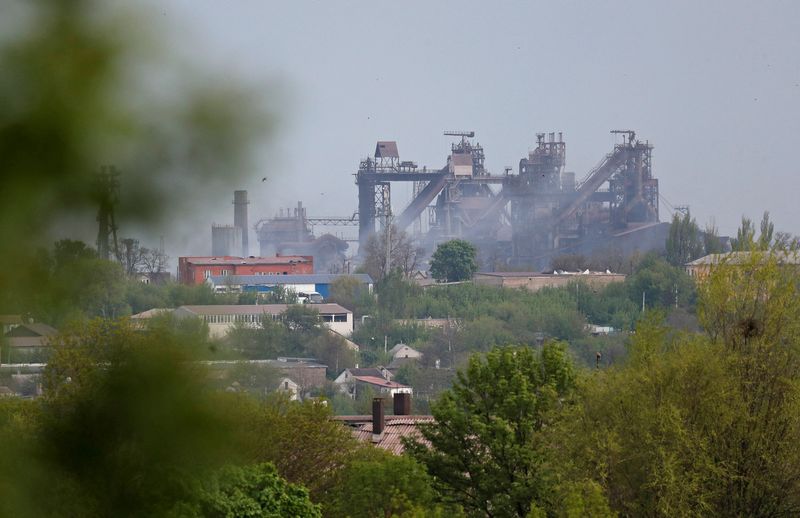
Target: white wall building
(221,318)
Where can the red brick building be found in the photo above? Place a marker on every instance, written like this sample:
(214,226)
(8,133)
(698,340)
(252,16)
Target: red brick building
(195,270)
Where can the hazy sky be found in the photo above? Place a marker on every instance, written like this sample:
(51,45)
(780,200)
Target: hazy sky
(714,86)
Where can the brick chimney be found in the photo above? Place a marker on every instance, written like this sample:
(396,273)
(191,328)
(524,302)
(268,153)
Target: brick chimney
(378,420)
(402,403)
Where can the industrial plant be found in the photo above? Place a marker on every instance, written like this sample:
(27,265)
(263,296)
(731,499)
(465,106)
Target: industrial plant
(517,219)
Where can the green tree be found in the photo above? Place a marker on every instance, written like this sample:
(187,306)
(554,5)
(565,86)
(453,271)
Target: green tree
(684,242)
(488,449)
(381,484)
(349,292)
(64,60)
(300,439)
(659,281)
(747,240)
(255,491)
(711,241)
(302,318)
(745,236)
(454,260)
(126,426)
(703,425)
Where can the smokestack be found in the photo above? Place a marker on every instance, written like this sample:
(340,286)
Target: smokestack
(240,218)
(378,420)
(402,403)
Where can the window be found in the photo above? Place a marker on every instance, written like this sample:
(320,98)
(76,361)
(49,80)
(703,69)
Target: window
(206,274)
(340,318)
(225,273)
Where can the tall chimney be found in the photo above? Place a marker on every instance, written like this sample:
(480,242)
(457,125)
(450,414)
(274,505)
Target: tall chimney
(402,403)
(240,218)
(378,420)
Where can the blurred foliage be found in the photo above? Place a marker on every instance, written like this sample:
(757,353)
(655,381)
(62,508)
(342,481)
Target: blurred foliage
(131,425)
(125,427)
(255,490)
(85,84)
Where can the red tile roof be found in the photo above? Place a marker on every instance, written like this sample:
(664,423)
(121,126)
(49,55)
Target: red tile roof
(395,428)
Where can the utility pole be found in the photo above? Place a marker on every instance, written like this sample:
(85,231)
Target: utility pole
(643,300)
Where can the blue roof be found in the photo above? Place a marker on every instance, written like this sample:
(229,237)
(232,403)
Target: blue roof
(274,280)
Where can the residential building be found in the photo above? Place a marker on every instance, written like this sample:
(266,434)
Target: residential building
(431,323)
(28,342)
(700,268)
(287,386)
(387,431)
(304,373)
(195,270)
(377,379)
(222,318)
(402,350)
(347,374)
(535,281)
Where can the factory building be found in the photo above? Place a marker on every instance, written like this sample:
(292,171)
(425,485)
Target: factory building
(222,318)
(533,281)
(195,270)
(263,284)
(520,219)
(225,240)
(524,219)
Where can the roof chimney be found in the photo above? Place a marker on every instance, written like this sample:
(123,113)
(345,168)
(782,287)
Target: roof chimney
(402,403)
(378,420)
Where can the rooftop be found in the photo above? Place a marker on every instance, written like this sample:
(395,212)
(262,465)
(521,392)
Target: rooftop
(366,371)
(544,274)
(315,278)
(150,313)
(258,309)
(743,257)
(395,428)
(381,382)
(36,329)
(386,149)
(231,260)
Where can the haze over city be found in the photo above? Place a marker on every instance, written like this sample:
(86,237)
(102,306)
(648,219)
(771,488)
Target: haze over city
(715,87)
(419,259)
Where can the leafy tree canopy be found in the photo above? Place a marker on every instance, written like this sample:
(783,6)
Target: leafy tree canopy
(454,260)
(255,491)
(488,451)
(684,242)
